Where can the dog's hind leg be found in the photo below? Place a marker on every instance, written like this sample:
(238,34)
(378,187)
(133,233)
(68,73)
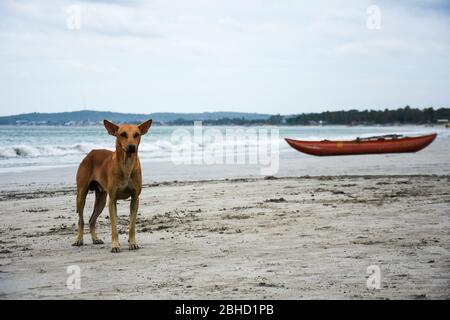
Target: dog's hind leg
(100,202)
(81,201)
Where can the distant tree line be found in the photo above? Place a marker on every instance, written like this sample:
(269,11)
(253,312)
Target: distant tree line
(406,115)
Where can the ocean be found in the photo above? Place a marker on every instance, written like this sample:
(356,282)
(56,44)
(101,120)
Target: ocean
(33,154)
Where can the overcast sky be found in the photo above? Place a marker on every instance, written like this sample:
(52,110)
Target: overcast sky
(278,56)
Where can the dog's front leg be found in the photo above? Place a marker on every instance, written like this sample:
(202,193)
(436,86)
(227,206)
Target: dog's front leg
(113,220)
(133,215)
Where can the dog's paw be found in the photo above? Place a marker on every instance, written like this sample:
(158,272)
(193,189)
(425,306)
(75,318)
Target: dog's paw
(97,241)
(78,243)
(115,249)
(133,246)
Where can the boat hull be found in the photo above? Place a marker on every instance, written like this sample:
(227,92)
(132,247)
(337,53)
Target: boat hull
(355,147)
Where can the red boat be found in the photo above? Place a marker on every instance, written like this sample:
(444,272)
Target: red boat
(380,144)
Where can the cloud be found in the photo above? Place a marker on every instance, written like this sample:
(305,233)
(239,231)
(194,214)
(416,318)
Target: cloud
(110,19)
(377,48)
(256,55)
(85,67)
(116,20)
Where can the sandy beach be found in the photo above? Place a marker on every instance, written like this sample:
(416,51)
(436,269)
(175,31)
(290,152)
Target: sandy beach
(285,150)
(249,238)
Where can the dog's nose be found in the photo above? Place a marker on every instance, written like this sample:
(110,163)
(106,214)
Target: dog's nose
(131,148)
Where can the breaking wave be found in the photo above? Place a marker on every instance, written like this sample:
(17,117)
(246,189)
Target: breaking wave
(29,151)
(26,151)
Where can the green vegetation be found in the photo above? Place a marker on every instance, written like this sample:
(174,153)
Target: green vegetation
(405,115)
(89,117)
(402,116)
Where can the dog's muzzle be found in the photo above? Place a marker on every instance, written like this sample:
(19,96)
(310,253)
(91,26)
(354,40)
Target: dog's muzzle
(131,148)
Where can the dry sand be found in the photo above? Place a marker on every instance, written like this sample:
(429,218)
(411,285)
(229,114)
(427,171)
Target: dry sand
(277,238)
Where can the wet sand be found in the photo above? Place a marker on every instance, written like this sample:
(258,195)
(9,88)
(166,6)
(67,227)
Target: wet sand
(249,238)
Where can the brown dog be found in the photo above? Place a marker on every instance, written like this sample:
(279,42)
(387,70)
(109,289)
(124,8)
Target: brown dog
(116,174)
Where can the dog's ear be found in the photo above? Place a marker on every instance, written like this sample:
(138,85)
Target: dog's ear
(111,127)
(143,127)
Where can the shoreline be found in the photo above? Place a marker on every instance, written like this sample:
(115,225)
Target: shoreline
(242,238)
(32,190)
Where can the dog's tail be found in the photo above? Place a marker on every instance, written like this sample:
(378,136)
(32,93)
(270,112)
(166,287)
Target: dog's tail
(81,199)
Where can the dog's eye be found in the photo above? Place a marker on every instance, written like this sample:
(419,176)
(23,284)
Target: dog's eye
(124,134)
(136,135)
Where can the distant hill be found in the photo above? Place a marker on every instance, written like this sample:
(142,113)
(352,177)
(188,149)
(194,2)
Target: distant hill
(406,115)
(94,117)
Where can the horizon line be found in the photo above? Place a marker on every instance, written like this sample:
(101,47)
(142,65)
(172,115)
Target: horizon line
(169,112)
